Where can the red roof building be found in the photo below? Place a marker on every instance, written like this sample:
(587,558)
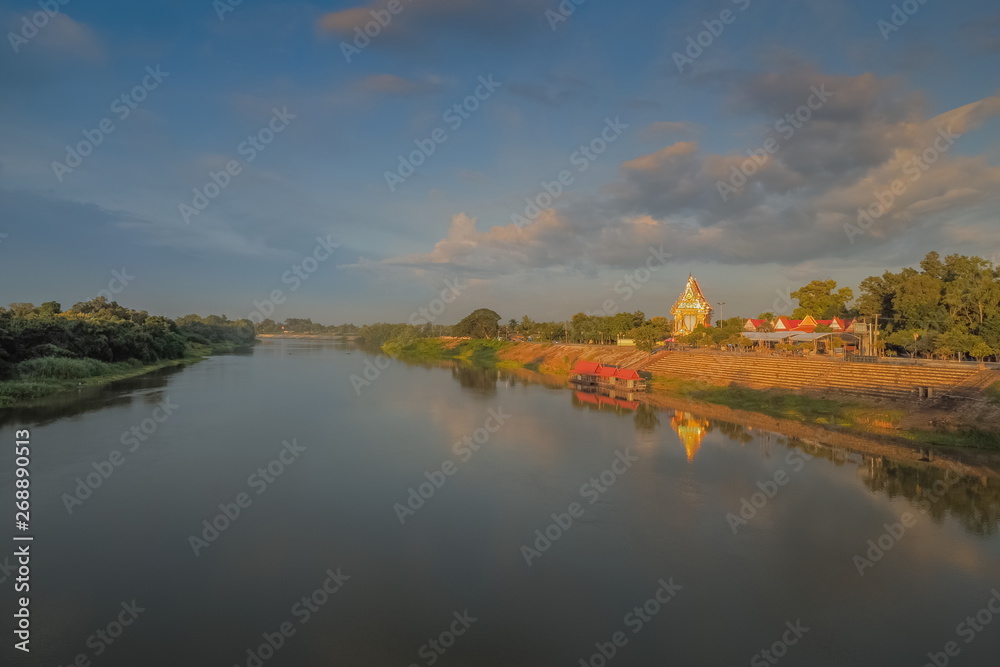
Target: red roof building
(591,372)
(586,368)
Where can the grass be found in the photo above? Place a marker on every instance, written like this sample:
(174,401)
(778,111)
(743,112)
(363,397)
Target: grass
(477,351)
(966,437)
(784,404)
(44,376)
(992,392)
(824,412)
(416,349)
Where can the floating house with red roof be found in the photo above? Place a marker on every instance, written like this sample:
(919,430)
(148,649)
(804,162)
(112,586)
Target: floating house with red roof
(594,374)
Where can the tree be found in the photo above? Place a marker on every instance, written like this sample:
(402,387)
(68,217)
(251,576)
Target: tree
(981,350)
(49,309)
(21,309)
(918,302)
(906,339)
(481,323)
(766,316)
(819,299)
(646,337)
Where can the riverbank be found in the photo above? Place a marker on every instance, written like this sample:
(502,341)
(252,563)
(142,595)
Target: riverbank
(865,417)
(306,336)
(965,460)
(46,376)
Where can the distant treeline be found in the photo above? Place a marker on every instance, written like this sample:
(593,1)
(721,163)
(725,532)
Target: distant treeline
(104,331)
(298,325)
(948,308)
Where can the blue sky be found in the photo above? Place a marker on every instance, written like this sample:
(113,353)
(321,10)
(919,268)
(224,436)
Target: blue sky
(345,124)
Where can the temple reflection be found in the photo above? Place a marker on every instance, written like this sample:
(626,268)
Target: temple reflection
(690,429)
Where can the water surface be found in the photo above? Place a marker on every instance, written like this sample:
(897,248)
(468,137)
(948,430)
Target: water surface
(669,516)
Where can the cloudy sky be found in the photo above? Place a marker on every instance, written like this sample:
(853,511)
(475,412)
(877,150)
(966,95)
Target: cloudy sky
(638,117)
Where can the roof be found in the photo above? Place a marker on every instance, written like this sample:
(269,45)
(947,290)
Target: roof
(594,368)
(796,336)
(698,297)
(586,367)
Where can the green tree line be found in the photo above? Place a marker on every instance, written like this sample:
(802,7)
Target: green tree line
(104,331)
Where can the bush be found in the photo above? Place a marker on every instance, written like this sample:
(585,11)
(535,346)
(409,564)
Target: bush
(993,392)
(61,368)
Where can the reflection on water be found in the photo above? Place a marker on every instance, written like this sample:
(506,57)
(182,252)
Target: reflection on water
(973,500)
(691,430)
(975,503)
(664,517)
(146,388)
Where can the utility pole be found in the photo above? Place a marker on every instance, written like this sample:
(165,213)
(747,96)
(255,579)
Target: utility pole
(875,336)
(720,304)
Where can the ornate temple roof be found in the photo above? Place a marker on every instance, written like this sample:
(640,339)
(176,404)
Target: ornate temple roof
(692,297)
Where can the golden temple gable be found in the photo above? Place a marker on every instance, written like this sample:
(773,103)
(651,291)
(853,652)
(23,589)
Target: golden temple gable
(692,309)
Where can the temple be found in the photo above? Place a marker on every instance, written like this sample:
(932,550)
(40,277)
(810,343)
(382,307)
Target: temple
(691,431)
(691,310)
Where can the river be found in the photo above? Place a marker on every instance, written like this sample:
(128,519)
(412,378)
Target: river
(434,514)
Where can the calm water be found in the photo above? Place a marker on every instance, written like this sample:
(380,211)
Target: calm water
(664,483)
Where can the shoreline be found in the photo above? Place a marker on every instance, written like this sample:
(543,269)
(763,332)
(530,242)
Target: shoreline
(962,460)
(827,412)
(292,336)
(41,388)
